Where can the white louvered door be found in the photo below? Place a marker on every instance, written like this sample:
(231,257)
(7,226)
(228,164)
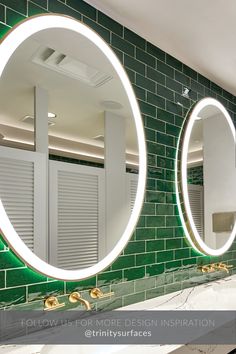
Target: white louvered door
(195,193)
(76,214)
(23,193)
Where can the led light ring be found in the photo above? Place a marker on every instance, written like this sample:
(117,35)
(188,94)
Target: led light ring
(9,44)
(181,185)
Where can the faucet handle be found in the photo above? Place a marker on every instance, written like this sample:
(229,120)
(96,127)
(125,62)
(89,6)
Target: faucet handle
(97,293)
(52,303)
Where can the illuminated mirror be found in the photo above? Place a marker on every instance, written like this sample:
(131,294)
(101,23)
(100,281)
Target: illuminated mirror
(72,154)
(205,178)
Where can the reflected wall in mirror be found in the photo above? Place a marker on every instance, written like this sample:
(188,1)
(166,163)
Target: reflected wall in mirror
(72,154)
(206,178)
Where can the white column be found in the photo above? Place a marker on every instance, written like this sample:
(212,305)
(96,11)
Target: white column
(117,208)
(41,147)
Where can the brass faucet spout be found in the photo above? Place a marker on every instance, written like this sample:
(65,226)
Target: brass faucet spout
(75,297)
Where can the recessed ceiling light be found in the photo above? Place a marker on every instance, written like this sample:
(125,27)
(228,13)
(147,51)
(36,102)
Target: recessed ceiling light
(52,115)
(111,104)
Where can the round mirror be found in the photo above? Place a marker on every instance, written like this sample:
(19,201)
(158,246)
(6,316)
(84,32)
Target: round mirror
(72,154)
(205,178)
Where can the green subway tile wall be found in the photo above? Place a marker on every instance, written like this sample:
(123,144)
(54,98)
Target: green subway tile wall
(195,175)
(158,259)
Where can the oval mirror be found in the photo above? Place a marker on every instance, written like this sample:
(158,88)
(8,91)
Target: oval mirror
(72,154)
(205,178)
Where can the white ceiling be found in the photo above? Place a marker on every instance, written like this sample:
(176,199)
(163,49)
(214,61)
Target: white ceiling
(79,109)
(200,33)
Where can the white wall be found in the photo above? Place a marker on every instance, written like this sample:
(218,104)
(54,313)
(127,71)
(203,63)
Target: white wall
(219,174)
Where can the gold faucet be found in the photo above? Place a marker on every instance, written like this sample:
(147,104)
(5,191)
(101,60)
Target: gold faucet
(75,297)
(207,268)
(223,266)
(52,303)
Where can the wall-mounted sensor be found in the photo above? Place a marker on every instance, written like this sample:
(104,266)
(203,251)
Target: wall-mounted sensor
(186,92)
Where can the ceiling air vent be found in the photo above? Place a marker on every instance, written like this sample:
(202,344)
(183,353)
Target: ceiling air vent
(70,67)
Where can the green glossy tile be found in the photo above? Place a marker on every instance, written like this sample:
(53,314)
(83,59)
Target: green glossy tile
(154,269)
(141,221)
(155,221)
(174,85)
(58,7)
(164,256)
(147,108)
(151,161)
(9,260)
(110,24)
(173,221)
(165,116)
(156,172)
(83,7)
(134,273)
(148,209)
(123,45)
(132,299)
(145,58)
(171,288)
(155,124)
(145,234)
(2,279)
(156,76)
(145,284)
(179,232)
(156,100)
(165,92)
(39,291)
(165,163)
(174,107)
(155,148)
(182,78)
(124,262)
(35,10)
(23,276)
(175,63)
(160,290)
(2,13)
(12,296)
(186,102)
(178,121)
(131,75)
(165,69)
(173,243)
(140,92)
(172,266)
(134,64)
(123,289)
(164,232)
(172,130)
(189,261)
(135,247)
(13,17)
(164,209)
(170,198)
(226,94)
(155,197)
(156,245)
(165,139)
(183,253)
(104,33)
(17,5)
(145,258)
(150,136)
(196,86)
(146,83)
(42,3)
(134,38)
(109,277)
(81,285)
(189,72)
(155,51)
(170,175)
(216,88)
(204,81)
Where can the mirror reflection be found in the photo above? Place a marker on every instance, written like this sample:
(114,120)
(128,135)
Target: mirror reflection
(211,176)
(69,153)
